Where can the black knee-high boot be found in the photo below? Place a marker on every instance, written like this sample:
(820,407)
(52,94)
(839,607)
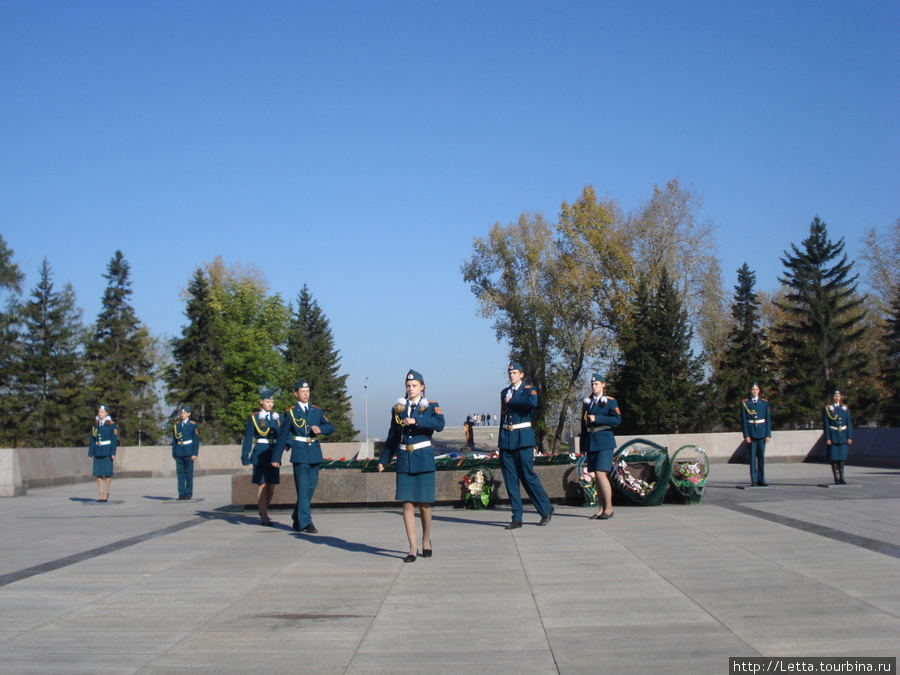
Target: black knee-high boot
(837,475)
(841,472)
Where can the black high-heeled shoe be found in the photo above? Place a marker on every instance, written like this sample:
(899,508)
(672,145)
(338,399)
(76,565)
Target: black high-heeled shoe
(409,558)
(426,552)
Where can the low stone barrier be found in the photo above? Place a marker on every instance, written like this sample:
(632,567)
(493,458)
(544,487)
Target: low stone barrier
(21,468)
(352,487)
(349,487)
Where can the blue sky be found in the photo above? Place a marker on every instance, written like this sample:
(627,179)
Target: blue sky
(358,147)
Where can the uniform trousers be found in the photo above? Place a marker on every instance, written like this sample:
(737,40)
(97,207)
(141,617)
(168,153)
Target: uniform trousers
(757,460)
(518,465)
(184,468)
(306,478)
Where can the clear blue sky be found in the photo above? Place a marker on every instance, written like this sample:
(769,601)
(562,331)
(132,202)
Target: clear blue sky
(356,146)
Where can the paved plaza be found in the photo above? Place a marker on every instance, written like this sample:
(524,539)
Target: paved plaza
(146,585)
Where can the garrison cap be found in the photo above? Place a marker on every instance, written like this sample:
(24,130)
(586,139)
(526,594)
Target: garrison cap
(301,383)
(514,365)
(185,408)
(415,375)
(597,377)
(266,393)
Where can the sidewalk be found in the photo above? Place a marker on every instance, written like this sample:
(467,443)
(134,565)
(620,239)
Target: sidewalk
(148,586)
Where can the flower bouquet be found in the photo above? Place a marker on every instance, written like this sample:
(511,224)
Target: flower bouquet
(641,471)
(690,468)
(586,482)
(477,485)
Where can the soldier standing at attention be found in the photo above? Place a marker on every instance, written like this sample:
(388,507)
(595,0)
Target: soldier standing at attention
(185,448)
(516,443)
(599,416)
(756,428)
(303,424)
(104,441)
(260,435)
(838,435)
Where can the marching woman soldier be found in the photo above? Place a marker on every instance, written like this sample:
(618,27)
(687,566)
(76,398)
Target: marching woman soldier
(185,448)
(303,424)
(838,435)
(414,419)
(599,416)
(260,435)
(104,441)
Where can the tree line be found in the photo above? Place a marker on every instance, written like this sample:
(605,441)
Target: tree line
(55,371)
(639,296)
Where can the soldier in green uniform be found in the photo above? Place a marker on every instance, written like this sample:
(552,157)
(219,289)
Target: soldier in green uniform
(599,416)
(414,420)
(756,428)
(516,444)
(303,425)
(838,435)
(104,441)
(185,448)
(260,434)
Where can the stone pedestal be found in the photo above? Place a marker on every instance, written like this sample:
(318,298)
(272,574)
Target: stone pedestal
(11,484)
(352,487)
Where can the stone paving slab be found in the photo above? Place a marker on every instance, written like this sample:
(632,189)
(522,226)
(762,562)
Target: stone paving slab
(142,587)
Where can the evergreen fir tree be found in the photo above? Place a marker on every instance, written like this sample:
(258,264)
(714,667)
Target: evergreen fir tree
(11,276)
(823,320)
(10,347)
(49,389)
(747,355)
(631,381)
(310,353)
(197,376)
(660,383)
(120,363)
(890,371)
